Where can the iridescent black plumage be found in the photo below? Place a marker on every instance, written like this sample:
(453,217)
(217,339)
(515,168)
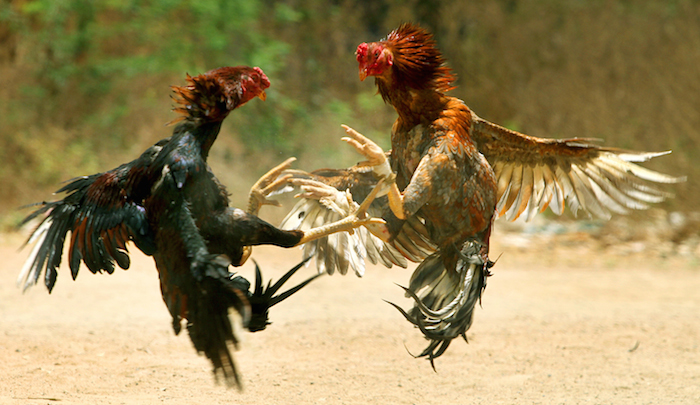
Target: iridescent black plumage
(171,206)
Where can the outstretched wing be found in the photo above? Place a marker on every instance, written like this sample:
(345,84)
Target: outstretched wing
(536,173)
(342,251)
(102,212)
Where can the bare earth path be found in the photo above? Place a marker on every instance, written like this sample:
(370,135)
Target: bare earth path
(561,326)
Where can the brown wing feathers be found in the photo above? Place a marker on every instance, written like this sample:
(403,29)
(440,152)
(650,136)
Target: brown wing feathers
(536,173)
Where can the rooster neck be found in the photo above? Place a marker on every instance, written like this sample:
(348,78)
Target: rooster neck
(204,101)
(413,106)
(204,134)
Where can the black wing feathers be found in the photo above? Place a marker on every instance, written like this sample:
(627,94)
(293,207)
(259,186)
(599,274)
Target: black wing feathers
(102,212)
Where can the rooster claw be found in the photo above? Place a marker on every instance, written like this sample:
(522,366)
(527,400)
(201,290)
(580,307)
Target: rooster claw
(377,158)
(315,190)
(366,147)
(267,184)
(354,216)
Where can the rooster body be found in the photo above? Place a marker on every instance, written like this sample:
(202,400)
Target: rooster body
(456,173)
(442,178)
(442,174)
(172,207)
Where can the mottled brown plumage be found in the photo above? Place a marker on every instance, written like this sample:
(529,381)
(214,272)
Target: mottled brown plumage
(442,177)
(457,173)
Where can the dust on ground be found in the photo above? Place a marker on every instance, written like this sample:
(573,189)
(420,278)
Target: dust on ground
(562,322)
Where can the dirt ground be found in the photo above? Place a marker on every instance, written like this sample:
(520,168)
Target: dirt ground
(559,325)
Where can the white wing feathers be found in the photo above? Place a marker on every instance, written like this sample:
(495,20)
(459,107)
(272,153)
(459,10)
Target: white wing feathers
(609,183)
(343,250)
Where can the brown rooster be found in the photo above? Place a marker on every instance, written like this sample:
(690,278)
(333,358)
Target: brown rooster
(455,174)
(172,207)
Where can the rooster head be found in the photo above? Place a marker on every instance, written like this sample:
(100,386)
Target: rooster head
(240,84)
(408,56)
(374,58)
(213,95)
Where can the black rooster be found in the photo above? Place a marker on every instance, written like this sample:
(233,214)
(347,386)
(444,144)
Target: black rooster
(171,206)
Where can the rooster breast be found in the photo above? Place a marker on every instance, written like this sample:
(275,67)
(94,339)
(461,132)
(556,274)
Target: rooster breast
(442,174)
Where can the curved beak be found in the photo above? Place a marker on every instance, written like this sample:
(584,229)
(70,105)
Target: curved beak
(363,74)
(262,95)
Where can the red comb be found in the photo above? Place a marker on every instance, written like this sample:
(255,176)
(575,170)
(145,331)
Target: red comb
(264,81)
(361,52)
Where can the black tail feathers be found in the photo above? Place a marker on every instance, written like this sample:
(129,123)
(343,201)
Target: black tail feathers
(227,305)
(444,300)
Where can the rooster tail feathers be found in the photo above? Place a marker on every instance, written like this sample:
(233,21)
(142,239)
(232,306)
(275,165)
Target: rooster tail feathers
(283,296)
(215,320)
(444,299)
(262,299)
(271,289)
(224,307)
(219,309)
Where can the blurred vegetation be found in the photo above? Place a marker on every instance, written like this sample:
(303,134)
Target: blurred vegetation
(84,83)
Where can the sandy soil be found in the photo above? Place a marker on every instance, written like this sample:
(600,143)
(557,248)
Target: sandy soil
(566,325)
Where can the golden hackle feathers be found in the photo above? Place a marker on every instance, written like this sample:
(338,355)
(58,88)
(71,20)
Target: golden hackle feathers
(418,63)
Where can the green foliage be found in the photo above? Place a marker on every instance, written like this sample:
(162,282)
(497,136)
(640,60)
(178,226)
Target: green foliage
(90,42)
(84,83)
(83,63)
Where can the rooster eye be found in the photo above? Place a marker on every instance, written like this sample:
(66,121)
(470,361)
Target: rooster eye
(376,53)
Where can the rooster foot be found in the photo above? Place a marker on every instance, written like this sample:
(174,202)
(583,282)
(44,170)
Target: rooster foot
(266,185)
(355,215)
(377,158)
(366,147)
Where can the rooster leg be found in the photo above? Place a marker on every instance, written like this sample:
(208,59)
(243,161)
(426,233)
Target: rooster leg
(377,159)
